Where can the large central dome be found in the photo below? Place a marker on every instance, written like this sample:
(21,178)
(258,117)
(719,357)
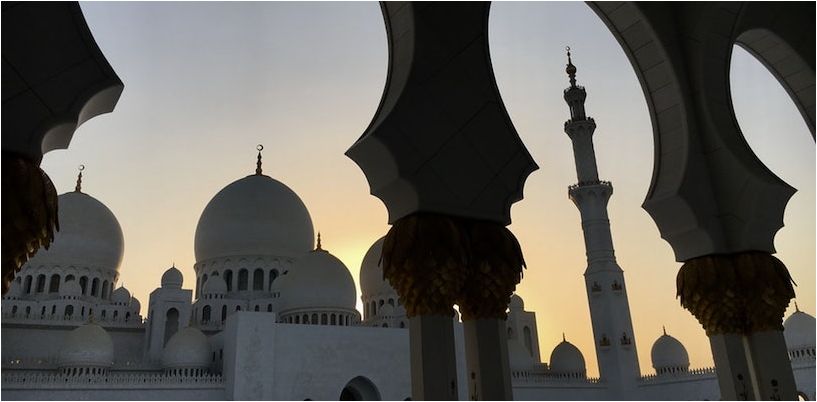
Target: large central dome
(256,215)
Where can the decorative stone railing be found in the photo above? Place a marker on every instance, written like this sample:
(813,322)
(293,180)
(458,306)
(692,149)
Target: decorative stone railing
(110,380)
(119,322)
(698,372)
(48,363)
(532,377)
(589,183)
(805,354)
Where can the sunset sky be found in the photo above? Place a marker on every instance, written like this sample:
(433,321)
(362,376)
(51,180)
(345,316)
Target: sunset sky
(206,82)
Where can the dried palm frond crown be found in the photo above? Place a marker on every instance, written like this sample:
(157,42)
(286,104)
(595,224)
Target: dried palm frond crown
(29,213)
(736,293)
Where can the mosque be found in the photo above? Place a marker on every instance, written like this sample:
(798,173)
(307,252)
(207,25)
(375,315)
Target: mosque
(271,314)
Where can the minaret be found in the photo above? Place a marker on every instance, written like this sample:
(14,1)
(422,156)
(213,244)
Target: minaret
(606,290)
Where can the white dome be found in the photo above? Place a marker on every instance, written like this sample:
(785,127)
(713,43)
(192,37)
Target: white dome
(516,302)
(89,235)
(121,295)
(372,282)
(256,215)
(135,304)
(668,352)
(71,288)
(87,346)
(187,348)
(317,280)
(172,278)
(799,330)
(567,359)
(518,356)
(214,286)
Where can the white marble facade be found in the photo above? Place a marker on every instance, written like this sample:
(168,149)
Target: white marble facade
(268,316)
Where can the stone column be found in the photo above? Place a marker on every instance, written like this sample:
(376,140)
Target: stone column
(740,300)
(424,259)
(495,267)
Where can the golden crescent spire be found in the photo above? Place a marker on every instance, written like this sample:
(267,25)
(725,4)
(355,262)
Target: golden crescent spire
(78,188)
(258,164)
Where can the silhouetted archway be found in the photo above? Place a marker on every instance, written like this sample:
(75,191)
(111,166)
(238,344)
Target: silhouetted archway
(360,389)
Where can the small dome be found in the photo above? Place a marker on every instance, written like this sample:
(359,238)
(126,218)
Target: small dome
(669,353)
(172,278)
(89,235)
(386,310)
(317,280)
(799,330)
(256,215)
(187,348)
(135,304)
(567,359)
(517,304)
(214,286)
(372,282)
(518,356)
(121,295)
(87,346)
(71,288)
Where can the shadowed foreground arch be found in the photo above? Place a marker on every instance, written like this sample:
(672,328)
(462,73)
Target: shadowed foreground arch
(359,389)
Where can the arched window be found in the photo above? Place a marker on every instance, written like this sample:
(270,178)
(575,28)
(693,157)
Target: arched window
(237,308)
(223,313)
(115,314)
(402,324)
(269,308)
(228,278)
(314,319)
(53,310)
(205,314)
(127,316)
(95,287)
(528,339)
(27,286)
(83,283)
(28,310)
(324,319)
(257,308)
(171,323)
(54,285)
(14,310)
(243,278)
(40,283)
(69,277)
(272,275)
(380,303)
(360,389)
(258,279)
(305,320)
(334,320)
(82,312)
(105,289)
(374,308)
(297,319)
(391,301)
(103,314)
(69,310)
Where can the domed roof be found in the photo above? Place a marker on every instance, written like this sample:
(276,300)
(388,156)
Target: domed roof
(89,235)
(120,295)
(256,215)
(371,273)
(799,330)
(71,288)
(317,280)
(518,356)
(215,286)
(516,302)
(668,352)
(87,346)
(187,348)
(135,304)
(172,278)
(567,359)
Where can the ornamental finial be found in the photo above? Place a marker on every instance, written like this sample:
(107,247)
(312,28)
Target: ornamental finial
(570,69)
(78,188)
(258,164)
(796,307)
(564,339)
(318,246)
(664,328)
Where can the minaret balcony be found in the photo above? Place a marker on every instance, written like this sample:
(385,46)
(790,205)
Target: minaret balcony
(574,124)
